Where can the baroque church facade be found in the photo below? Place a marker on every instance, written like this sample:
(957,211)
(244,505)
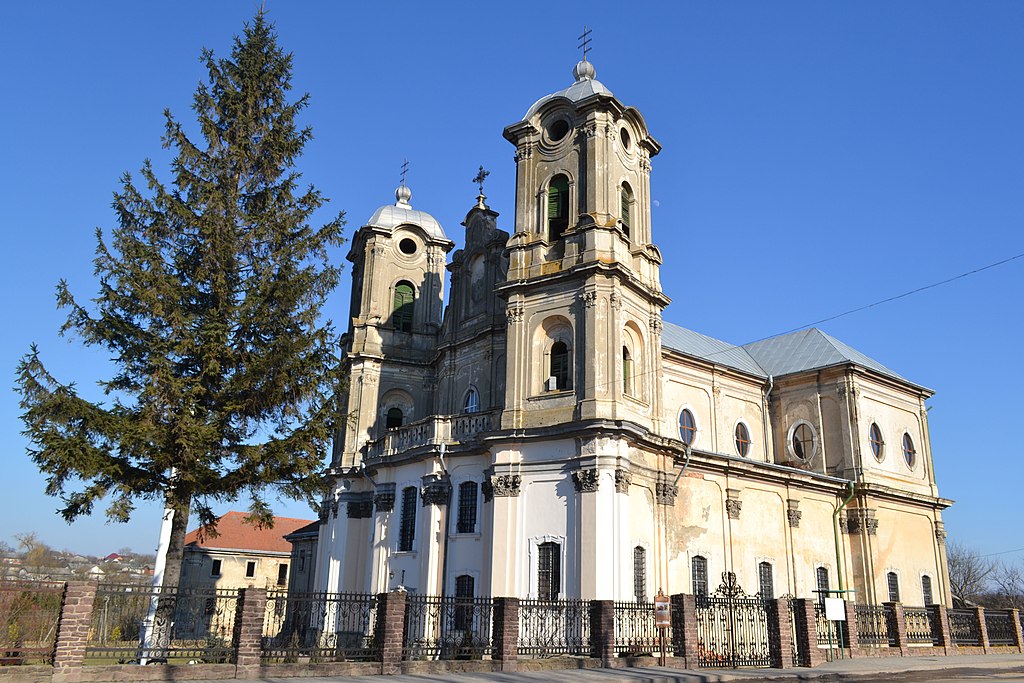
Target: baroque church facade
(546,434)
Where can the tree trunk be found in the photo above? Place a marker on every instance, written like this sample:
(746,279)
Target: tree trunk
(176,546)
(167,597)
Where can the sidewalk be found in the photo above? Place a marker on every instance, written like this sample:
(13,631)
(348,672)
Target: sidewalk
(844,669)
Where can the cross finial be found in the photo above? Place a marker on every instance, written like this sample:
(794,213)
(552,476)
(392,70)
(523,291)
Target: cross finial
(405,170)
(481,175)
(585,41)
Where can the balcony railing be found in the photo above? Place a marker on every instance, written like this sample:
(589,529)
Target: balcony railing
(432,431)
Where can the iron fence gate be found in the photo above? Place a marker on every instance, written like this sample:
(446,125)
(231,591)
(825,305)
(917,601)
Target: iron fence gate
(732,627)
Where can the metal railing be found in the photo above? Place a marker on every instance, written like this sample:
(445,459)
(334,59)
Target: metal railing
(548,628)
(999,626)
(918,622)
(872,626)
(635,630)
(431,431)
(136,623)
(964,627)
(29,612)
(447,627)
(319,627)
(827,634)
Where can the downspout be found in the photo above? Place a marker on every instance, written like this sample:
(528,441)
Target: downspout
(835,529)
(447,518)
(764,423)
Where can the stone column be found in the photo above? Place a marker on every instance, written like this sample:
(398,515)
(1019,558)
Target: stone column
(851,638)
(506,633)
(780,635)
(73,630)
(390,631)
(807,633)
(941,635)
(1018,636)
(979,616)
(248,631)
(602,631)
(897,628)
(684,629)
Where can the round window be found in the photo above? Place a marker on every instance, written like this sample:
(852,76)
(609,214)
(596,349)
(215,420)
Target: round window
(687,427)
(877,443)
(407,246)
(624,136)
(558,129)
(742,439)
(909,452)
(803,441)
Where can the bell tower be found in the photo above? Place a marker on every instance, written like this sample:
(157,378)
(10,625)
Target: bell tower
(583,290)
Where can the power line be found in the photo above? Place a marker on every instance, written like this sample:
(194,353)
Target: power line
(1004,552)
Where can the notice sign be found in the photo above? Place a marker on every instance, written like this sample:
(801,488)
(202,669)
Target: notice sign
(835,609)
(662,611)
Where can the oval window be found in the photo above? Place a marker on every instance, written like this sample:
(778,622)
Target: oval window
(558,129)
(877,443)
(624,136)
(742,439)
(407,246)
(909,452)
(687,427)
(803,441)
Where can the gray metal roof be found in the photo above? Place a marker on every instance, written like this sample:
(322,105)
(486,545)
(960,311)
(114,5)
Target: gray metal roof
(401,213)
(585,86)
(710,349)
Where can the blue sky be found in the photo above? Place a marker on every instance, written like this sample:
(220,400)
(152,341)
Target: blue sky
(817,157)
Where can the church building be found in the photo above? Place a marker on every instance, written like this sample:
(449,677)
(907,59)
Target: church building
(547,433)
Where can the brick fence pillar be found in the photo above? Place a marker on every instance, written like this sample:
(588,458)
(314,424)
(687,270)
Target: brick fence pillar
(941,635)
(897,626)
(807,632)
(248,631)
(979,616)
(851,637)
(602,631)
(506,633)
(73,630)
(390,630)
(684,629)
(780,634)
(1018,635)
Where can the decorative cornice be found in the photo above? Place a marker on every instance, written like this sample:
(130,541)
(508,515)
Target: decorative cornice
(623,478)
(436,494)
(586,481)
(384,498)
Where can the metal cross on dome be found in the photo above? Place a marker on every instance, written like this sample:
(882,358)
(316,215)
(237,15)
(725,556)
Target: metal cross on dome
(405,170)
(585,41)
(481,175)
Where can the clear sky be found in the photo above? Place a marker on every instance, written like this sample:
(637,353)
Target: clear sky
(818,156)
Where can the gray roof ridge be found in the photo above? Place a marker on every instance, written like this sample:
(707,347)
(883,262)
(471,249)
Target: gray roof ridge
(717,355)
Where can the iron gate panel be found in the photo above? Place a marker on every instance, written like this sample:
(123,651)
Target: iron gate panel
(732,627)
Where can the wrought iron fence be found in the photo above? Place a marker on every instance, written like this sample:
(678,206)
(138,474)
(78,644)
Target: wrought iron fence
(635,630)
(143,623)
(732,627)
(920,630)
(447,627)
(872,625)
(964,627)
(999,626)
(797,626)
(319,627)
(548,628)
(827,634)
(29,612)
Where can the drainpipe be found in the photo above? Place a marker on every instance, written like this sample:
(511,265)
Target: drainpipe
(447,522)
(764,422)
(686,463)
(835,528)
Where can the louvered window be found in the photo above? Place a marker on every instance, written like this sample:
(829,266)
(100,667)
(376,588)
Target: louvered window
(627,204)
(558,207)
(627,372)
(407,532)
(402,312)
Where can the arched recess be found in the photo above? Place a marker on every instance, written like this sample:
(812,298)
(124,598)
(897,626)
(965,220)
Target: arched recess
(395,403)
(633,368)
(626,207)
(556,208)
(403,306)
(553,346)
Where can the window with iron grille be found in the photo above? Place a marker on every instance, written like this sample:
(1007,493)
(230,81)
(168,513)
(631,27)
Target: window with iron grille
(821,579)
(640,573)
(407,532)
(926,590)
(893,582)
(699,575)
(765,582)
(549,558)
(467,508)
(464,590)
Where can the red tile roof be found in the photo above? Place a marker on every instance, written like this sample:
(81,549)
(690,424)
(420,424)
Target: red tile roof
(235,534)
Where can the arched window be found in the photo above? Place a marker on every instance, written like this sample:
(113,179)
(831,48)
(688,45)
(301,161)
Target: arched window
(626,203)
(893,584)
(765,581)
(699,575)
(640,573)
(560,365)
(549,579)
(394,418)
(687,427)
(742,440)
(467,507)
(558,207)
(404,303)
(926,590)
(472,402)
(407,530)
(627,371)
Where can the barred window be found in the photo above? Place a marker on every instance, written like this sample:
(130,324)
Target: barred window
(467,507)
(464,591)
(404,301)
(549,579)
(926,590)
(821,579)
(765,582)
(699,575)
(407,532)
(640,573)
(893,582)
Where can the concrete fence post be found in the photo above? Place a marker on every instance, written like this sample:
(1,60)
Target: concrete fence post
(506,633)
(248,631)
(897,627)
(602,631)
(780,634)
(73,630)
(979,617)
(390,630)
(684,629)
(807,632)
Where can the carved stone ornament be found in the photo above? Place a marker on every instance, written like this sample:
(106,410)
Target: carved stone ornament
(514,314)
(861,521)
(645,165)
(524,152)
(586,481)
(377,250)
(733,508)
(610,132)
(384,498)
(623,478)
(616,300)
(505,485)
(940,532)
(665,493)
(656,324)
(587,130)
(436,494)
(793,517)
(360,509)
(588,299)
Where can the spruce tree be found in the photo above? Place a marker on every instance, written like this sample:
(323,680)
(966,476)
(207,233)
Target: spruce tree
(211,290)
